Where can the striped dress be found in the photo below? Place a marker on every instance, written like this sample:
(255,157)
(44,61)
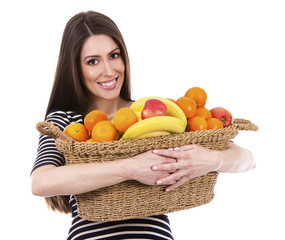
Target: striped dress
(153,227)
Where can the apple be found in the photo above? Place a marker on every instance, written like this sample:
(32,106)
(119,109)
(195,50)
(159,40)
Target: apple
(223,115)
(153,108)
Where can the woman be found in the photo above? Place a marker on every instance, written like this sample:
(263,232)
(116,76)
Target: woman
(93,73)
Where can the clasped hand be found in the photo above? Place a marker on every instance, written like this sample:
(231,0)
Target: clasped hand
(190,161)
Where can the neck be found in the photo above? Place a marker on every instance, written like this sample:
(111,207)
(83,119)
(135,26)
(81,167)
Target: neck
(108,106)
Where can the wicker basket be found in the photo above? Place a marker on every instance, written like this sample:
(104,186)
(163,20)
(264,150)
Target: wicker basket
(132,199)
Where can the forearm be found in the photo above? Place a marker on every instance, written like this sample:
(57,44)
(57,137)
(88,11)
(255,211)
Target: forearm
(80,178)
(193,161)
(77,178)
(235,159)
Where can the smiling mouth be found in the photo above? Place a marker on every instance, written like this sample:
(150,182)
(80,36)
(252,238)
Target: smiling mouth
(109,84)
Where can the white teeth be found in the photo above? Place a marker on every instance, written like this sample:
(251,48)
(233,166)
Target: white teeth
(107,84)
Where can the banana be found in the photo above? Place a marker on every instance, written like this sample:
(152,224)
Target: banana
(172,108)
(138,113)
(160,123)
(154,134)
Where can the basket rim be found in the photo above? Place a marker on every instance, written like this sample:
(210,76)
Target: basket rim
(67,144)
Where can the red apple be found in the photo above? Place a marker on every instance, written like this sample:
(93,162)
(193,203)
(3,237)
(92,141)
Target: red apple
(223,115)
(153,108)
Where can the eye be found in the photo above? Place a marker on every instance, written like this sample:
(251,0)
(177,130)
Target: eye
(115,55)
(93,62)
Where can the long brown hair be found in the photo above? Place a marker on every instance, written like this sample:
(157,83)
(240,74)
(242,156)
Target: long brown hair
(68,92)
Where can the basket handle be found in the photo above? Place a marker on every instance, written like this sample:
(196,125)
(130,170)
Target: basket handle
(243,124)
(48,128)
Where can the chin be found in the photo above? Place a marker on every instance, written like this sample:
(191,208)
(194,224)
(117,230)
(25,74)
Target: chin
(109,95)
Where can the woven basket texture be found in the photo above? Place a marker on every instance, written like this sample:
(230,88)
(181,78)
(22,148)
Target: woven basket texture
(131,199)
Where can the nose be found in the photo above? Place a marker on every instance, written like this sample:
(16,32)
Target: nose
(108,70)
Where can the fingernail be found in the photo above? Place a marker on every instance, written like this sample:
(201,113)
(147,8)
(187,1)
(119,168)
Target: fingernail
(158,181)
(154,167)
(176,148)
(155,151)
(167,190)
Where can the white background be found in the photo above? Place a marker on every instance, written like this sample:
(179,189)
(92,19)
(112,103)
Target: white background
(233,49)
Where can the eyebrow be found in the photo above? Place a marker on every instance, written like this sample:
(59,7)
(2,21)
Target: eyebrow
(110,53)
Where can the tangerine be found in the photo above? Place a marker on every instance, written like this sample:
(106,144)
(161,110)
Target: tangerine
(196,124)
(139,115)
(104,131)
(214,123)
(171,100)
(90,140)
(94,117)
(77,131)
(124,118)
(188,106)
(203,112)
(198,94)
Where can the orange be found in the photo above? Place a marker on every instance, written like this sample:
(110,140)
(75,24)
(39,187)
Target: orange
(124,118)
(94,117)
(188,106)
(105,131)
(77,131)
(196,124)
(198,94)
(214,123)
(171,100)
(90,140)
(203,112)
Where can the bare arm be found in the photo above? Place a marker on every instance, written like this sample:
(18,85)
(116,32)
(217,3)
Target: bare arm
(235,159)
(50,180)
(194,161)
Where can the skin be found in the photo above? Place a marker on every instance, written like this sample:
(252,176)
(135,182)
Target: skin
(101,63)
(193,161)
(103,72)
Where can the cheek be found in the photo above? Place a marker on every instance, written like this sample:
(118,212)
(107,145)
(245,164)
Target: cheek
(123,68)
(90,75)
(120,66)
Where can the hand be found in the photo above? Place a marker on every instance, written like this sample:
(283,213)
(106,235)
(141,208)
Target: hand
(191,161)
(140,167)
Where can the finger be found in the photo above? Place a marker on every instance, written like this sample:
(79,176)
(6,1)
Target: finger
(170,179)
(172,171)
(187,147)
(167,160)
(177,184)
(168,153)
(170,167)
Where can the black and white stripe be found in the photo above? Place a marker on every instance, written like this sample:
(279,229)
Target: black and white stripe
(155,227)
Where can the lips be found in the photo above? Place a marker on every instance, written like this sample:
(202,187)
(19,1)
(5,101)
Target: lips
(109,84)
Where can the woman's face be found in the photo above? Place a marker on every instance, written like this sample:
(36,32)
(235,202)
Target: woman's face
(102,67)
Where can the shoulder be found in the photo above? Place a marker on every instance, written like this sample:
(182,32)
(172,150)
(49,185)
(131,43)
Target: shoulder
(63,118)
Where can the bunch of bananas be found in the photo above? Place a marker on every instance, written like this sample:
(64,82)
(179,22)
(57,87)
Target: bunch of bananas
(174,122)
